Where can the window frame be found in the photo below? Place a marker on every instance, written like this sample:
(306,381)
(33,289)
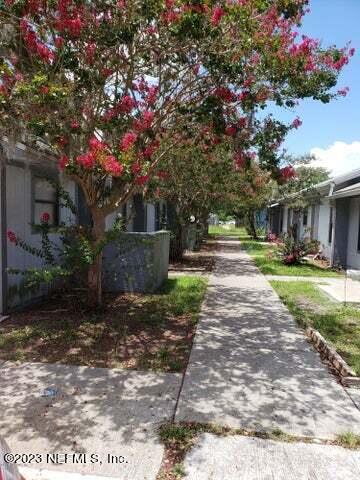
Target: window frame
(305,216)
(40,174)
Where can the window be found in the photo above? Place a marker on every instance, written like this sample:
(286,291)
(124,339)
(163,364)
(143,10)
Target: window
(305,218)
(45,201)
(331,225)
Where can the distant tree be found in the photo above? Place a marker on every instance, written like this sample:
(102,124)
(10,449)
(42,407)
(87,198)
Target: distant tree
(305,176)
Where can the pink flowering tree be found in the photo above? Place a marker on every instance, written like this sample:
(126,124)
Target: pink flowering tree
(111,86)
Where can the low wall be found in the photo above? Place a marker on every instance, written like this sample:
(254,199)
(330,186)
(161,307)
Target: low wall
(136,262)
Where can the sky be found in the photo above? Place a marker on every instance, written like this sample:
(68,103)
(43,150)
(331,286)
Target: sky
(332,131)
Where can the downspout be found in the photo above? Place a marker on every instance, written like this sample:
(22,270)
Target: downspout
(333,234)
(3,238)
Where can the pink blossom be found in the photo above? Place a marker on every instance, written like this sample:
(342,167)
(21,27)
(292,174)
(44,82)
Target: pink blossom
(196,68)
(231,131)
(151,96)
(296,123)
(96,144)
(59,42)
(87,160)
(63,162)
(128,141)
(344,91)
(225,94)
(11,236)
(127,104)
(286,173)
(90,52)
(142,179)
(216,15)
(145,122)
(239,160)
(45,217)
(112,166)
(136,168)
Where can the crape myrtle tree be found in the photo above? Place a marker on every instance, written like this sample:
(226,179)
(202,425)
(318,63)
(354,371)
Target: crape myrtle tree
(112,85)
(247,191)
(190,182)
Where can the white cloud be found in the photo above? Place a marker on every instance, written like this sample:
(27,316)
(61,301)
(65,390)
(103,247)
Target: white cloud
(340,157)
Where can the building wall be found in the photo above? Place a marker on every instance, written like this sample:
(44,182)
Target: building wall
(323,228)
(353,257)
(19,216)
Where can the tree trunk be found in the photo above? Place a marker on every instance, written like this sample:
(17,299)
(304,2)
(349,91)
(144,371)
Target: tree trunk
(178,243)
(95,270)
(95,282)
(251,225)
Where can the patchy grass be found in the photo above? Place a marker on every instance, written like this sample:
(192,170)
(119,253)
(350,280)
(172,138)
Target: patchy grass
(180,438)
(133,331)
(228,230)
(266,260)
(339,324)
(349,440)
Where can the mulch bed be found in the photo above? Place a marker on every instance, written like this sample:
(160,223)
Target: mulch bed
(200,262)
(132,331)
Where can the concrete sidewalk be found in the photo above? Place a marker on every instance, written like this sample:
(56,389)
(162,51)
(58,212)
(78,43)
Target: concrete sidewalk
(243,458)
(252,367)
(104,420)
(341,289)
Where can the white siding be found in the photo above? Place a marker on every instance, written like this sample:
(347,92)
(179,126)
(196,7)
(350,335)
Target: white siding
(19,205)
(353,256)
(323,229)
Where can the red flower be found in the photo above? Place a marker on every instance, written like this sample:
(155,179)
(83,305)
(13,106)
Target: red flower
(11,236)
(45,217)
(87,160)
(225,94)
(231,131)
(286,173)
(63,162)
(126,105)
(145,122)
(296,123)
(216,15)
(74,124)
(63,141)
(136,168)
(90,52)
(96,144)
(112,166)
(142,179)
(128,141)
(162,174)
(45,90)
(59,42)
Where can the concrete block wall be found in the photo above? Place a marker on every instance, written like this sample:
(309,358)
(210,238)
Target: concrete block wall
(136,262)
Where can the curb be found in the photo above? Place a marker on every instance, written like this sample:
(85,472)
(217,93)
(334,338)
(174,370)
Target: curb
(347,375)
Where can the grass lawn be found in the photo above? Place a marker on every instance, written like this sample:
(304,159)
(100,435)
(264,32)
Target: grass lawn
(146,332)
(266,260)
(339,324)
(229,230)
